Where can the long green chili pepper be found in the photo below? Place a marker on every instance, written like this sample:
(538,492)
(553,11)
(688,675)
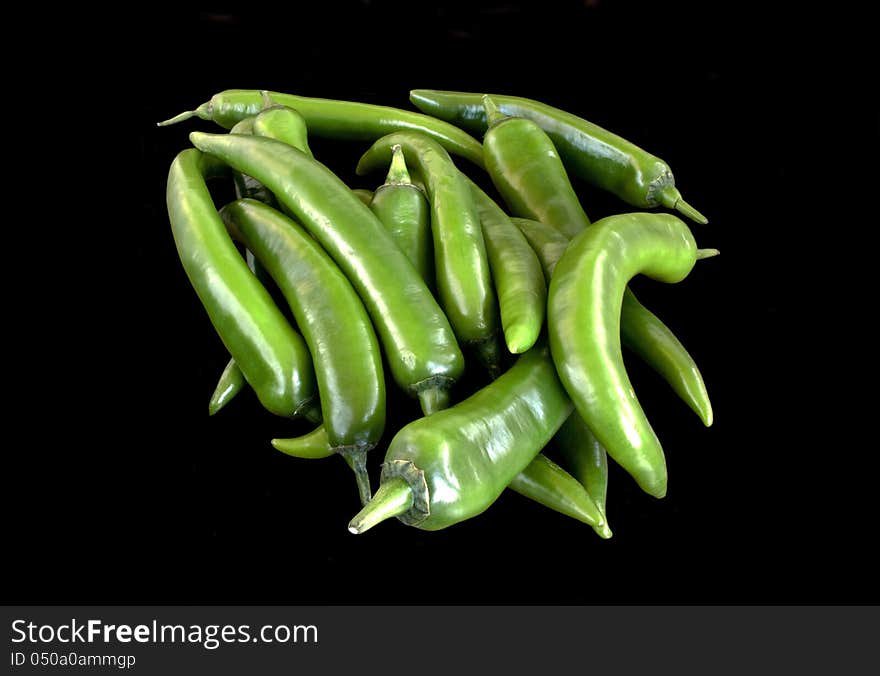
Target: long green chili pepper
(327,118)
(524,166)
(274,358)
(452,465)
(516,273)
(334,323)
(421,349)
(405,211)
(641,331)
(589,151)
(547,483)
(583,314)
(461,264)
(284,124)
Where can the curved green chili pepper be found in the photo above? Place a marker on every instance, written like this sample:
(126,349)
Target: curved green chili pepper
(461,265)
(334,323)
(589,151)
(421,349)
(333,119)
(548,484)
(273,357)
(583,313)
(516,273)
(452,465)
(405,212)
(641,331)
(523,164)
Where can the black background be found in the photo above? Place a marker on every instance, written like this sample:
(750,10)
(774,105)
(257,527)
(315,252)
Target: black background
(122,490)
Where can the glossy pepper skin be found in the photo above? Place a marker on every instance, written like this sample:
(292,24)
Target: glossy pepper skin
(594,154)
(583,313)
(421,349)
(452,465)
(641,331)
(405,211)
(516,273)
(274,358)
(523,164)
(284,124)
(328,118)
(333,321)
(461,264)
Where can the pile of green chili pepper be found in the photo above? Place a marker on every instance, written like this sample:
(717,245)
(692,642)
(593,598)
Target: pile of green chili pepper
(424,274)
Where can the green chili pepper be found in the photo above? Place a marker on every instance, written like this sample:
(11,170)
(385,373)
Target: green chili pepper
(584,309)
(334,323)
(421,349)
(461,265)
(641,331)
(516,273)
(405,211)
(327,118)
(274,358)
(523,164)
(547,483)
(284,124)
(589,151)
(452,465)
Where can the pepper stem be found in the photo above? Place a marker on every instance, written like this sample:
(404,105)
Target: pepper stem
(493,112)
(670,198)
(357,460)
(433,399)
(204,111)
(266,100)
(393,498)
(397,173)
(684,208)
(185,115)
(706,253)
